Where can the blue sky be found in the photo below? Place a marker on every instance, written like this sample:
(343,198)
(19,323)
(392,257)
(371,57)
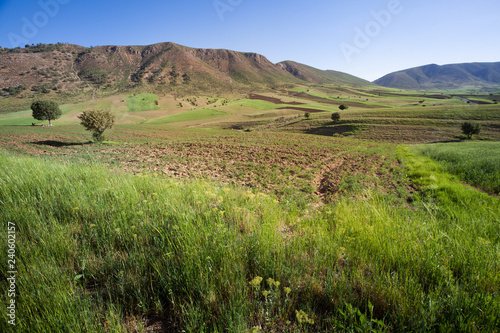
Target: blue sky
(366,38)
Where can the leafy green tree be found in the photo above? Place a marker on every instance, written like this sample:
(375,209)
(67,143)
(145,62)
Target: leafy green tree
(97,121)
(307,115)
(343,107)
(470,129)
(46,110)
(335,116)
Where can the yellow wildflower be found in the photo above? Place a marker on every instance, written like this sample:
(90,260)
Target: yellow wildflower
(256,281)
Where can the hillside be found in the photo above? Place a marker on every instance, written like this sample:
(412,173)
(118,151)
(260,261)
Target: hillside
(314,75)
(447,77)
(65,68)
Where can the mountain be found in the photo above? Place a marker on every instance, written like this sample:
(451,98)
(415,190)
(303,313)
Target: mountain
(67,68)
(314,75)
(447,77)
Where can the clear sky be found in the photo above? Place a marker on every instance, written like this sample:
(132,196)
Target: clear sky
(366,38)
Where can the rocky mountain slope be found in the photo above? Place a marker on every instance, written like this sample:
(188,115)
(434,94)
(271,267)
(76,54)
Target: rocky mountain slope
(60,68)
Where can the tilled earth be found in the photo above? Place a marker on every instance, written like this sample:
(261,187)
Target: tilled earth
(321,168)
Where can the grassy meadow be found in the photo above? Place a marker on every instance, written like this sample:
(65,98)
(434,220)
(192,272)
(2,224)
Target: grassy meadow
(476,163)
(227,214)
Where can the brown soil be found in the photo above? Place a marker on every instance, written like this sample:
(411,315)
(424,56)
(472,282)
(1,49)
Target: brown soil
(330,101)
(480,102)
(301,109)
(271,99)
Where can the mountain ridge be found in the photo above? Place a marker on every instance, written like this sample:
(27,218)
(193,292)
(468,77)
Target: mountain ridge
(444,77)
(59,68)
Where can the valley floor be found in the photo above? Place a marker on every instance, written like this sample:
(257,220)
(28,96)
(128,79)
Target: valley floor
(239,216)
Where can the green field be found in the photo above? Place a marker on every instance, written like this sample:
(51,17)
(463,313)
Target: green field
(477,163)
(142,102)
(189,116)
(90,231)
(234,219)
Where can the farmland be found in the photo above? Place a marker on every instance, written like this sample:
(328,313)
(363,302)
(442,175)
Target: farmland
(236,213)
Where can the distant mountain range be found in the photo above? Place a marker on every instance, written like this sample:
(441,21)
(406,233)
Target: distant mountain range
(447,77)
(61,68)
(71,69)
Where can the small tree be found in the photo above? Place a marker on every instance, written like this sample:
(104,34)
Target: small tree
(343,107)
(97,121)
(307,115)
(470,129)
(335,116)
(46,110)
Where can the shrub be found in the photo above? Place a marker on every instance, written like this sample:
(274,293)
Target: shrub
(335,116)
(307,115)
(97,121)
(343,107)
(470,129)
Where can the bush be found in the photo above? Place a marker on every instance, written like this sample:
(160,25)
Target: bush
(343,107)
(335,116)
(97,121)
(470,129)
(307,115)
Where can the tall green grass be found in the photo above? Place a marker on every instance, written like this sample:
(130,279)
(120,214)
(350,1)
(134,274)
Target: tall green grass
(477,163)
(105,252)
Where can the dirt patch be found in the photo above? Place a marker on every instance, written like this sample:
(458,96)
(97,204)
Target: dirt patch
(330,101)
(389,94)
(301,109)
(281,163)
(481,102)
(272,99)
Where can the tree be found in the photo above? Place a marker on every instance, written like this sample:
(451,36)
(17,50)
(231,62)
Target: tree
(335,116)
(307,115)
(470,129)
(46,110)
(97,121)
(343,107)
